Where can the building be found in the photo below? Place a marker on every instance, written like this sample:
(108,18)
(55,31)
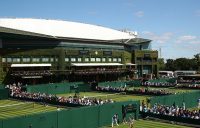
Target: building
(41,51)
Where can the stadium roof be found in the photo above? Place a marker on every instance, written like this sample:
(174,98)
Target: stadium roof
(64,29)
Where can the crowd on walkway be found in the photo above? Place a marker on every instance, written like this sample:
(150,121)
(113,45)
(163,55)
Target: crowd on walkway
(142,91)
(189,86)
(16,92)
(158,84)
(172,111)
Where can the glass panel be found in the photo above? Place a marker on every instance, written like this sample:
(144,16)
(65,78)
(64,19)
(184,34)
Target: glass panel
(92,59)
(98,59)
(66,59)
(26,59)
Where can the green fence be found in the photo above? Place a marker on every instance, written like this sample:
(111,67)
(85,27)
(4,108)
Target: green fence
(1,86)
(58,88)
(84,117)
(4,93)
(190,99)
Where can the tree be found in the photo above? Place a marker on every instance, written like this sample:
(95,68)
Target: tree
(169,66)
(197,59)
(161,64)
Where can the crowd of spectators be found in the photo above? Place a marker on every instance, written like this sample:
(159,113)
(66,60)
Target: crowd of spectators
(16,92)
(189,86)
(158,84)
(142,91)
(193,84)
(172,111)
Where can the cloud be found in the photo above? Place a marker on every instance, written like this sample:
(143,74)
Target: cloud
(186,39)
(129,3)
(159,38)
(197,13)
(139,14)
(92,13)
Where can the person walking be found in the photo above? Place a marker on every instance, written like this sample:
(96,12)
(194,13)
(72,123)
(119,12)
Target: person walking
(115,120)
(131,121)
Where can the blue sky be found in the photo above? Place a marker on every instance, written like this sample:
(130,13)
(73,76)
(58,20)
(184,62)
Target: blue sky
(173,25)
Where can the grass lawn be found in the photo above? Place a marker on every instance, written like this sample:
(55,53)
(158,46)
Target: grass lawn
(12,108)
(115,97)
(149,124)
(170,89)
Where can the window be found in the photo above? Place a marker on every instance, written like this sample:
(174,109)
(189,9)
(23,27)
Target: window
(52,59)
(73,59)
(109,59)
(98,59)
(9,59)
(45,59)
(103,59)
(35,59)
(119,59)
(114,59)
(26,59)
(86,59)
(56,59)
(3,59)
(16,60)
(92,59)
(66,59)
(79,59)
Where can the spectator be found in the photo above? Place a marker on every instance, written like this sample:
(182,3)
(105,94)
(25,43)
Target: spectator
(199,103)
(115,120)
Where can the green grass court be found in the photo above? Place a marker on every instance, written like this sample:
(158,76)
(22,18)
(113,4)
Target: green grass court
(170,89)
(12,108)
(149,124)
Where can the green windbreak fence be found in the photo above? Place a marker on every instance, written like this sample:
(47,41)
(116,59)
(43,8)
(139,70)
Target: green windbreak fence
(59,88)
(190,99)
(85,117)
(1,86)
(120,83)
(4,93)
(47,120)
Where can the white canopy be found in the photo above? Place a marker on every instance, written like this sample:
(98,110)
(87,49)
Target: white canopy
(96,64)
(30,65)
(130,64)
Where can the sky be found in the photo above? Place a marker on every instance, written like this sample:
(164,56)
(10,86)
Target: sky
(172,25)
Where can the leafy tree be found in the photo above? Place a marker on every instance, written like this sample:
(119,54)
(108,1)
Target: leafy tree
(161,64)
(169,66)
(197,59)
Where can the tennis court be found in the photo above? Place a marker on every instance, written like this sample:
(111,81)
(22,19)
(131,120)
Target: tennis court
(149,124)
(12,108)
(113,96)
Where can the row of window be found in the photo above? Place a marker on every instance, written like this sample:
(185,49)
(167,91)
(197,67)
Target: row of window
(18,60)
(93,59)
(73,59)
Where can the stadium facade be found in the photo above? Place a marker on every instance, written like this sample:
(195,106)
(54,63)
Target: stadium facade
(41,51)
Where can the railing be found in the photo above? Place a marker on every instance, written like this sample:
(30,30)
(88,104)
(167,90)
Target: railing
(102,71)
(31,73)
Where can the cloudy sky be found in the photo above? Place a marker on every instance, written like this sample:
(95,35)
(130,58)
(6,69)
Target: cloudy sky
(173,25)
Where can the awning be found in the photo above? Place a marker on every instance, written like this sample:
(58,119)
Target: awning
(96,64)
(31,77)
(30,65)
(130,64)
